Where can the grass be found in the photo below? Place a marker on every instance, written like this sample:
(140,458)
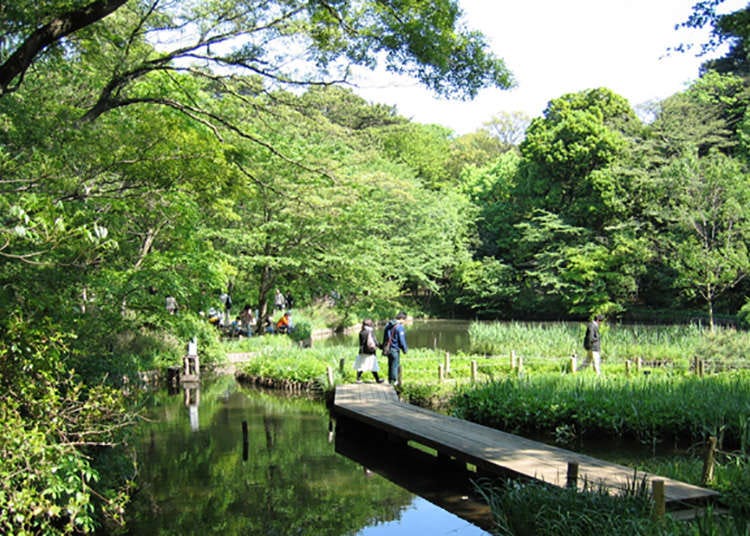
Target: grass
(675,345)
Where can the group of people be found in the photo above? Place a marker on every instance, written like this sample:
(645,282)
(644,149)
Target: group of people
(393,345)
(246,323)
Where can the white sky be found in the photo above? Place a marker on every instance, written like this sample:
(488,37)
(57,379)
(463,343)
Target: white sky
(555,47)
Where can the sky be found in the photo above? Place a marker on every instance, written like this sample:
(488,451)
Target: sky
(554,47)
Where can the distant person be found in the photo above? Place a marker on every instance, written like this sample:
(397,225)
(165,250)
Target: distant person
(394,344)
(284,324)
(268,325)
(593,345)
(247,320)
(289,300)
(367,358)
(279,302)
(214,317)
(171,304)
(226,301)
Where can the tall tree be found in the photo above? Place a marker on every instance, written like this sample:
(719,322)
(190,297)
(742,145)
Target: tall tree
(708,211)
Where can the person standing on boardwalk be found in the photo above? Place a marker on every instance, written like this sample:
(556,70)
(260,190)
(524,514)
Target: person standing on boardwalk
(592,344)
(367,358)
(394,344)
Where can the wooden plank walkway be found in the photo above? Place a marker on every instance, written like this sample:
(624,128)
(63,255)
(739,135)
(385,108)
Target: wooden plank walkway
(492,450)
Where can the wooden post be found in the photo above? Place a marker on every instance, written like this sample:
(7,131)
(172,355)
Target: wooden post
(627,367)
(695,365)
(512,359)
(660,506)
(573,363)
(473,371)
(701,367)
(441,373)
(520,364)
(709,461)
(447,362)
(329,373)
(572,477)
(638,364)
(342,363)
(244,441)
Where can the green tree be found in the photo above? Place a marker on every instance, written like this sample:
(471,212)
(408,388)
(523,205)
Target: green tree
(709,214)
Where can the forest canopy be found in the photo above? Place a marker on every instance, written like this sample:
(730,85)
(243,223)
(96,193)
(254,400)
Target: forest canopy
(183,149)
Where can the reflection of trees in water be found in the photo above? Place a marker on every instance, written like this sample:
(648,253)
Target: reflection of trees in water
(292,482)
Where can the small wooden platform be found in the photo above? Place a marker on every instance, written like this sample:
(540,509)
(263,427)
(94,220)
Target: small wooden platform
(492,450)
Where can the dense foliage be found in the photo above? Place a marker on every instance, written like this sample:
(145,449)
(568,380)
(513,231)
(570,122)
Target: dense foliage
(184,149)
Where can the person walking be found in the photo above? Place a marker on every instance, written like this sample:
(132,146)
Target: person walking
(593,345)
(279,302)
(394,344)
(367,358)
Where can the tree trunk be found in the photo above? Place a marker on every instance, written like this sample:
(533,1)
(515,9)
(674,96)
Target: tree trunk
(18,62)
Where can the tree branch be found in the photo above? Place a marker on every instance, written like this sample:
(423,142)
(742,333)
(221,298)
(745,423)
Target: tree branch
(18,63)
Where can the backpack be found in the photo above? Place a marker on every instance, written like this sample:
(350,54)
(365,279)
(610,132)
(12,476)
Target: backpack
(387,344)
(371,345)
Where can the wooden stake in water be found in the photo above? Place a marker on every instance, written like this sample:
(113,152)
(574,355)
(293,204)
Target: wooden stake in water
(447,362)
(441,373)
(660,506)
(329,373)
(709,461)
(512,359)
(473,371)
(245,442)
(573,363)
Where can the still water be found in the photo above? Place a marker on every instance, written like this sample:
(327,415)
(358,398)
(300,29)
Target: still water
(292,475)
(449,335)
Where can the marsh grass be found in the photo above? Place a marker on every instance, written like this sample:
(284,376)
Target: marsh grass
(533,508)
(655,408)
(620,342)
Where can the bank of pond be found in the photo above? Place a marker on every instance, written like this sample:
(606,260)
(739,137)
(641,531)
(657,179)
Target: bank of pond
(653,409)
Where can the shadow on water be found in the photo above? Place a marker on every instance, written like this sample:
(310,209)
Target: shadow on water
(443,483)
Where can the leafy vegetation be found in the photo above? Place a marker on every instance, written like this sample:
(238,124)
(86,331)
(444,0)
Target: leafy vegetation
(149,150)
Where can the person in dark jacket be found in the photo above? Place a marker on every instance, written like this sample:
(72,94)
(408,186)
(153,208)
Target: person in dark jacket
(593,345)
(395,334)
(367,358)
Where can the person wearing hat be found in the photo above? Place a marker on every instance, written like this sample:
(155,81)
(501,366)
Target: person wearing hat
(394,344)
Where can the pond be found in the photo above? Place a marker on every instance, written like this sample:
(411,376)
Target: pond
(448,335)
(198,475)
(294,474)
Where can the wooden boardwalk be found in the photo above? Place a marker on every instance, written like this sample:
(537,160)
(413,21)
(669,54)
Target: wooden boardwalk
(494,451)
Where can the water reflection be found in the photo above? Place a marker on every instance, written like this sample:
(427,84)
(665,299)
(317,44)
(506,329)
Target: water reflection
(257,463)
(445,484)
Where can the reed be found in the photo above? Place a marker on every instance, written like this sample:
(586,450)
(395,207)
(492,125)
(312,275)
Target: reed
(673,344)
(647,408)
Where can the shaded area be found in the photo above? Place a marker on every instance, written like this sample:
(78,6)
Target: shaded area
(442,482)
